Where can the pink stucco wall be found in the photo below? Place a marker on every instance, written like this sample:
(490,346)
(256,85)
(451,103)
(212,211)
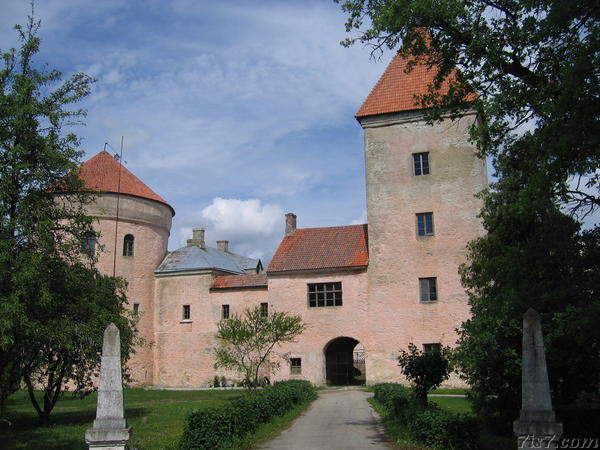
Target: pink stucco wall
(149,222)
(184,354)
(397,257)
(289,293)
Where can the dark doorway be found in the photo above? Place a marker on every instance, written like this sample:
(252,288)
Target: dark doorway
(345,362)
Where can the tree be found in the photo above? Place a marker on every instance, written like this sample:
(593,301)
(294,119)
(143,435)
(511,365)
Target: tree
(533,256)
(67,331)
(426,369)
(534,66)
(51,297)
(248,342)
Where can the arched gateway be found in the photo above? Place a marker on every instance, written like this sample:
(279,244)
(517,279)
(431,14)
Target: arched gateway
(344,362)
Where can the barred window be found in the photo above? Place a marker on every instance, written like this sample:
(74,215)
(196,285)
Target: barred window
(434,347)
(264,309)
(421,163)
(295,366)
(324,294)
(428,289)
(224,311)
(186,312)
(136,309)
(89,244)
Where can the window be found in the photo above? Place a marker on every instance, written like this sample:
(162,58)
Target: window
(128,245)
(136,309)
(425,224)
(264,309)
(186,312)
(432,348)
(89,244)
(224,311)
(428,289)
(324,294)
(295,366)
(421,163)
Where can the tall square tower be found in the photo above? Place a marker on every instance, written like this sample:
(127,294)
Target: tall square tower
(422,211)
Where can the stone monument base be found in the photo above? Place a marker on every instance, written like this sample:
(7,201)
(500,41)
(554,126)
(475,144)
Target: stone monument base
(107,439)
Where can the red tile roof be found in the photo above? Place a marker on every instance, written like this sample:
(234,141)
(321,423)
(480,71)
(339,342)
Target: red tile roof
(240,281)
(322,248)
(101,173)
(396,90)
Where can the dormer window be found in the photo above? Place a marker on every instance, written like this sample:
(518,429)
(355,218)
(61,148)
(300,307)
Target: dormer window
(128,241)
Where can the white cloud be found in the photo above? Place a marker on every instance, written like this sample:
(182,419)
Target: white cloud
(252,229)
(243,217)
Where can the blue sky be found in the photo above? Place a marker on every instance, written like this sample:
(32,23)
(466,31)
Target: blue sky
(235,112)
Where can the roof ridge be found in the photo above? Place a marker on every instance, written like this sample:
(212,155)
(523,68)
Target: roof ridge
(334,226)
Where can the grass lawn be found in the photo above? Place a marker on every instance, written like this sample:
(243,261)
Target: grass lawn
(450,391)
(456,404)
(157,418)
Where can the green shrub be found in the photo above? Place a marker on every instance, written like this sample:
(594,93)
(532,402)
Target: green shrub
(219,427)
(397,399)
(442,429)
(429,425)
(427,370)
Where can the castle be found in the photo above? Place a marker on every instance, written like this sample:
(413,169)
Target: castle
(365,291)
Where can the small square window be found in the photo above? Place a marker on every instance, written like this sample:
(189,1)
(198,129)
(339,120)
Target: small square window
(224,311)
(425,224)
(428,289)
(186,312)
(295,366)
(136,309)
(435,347)
(421,163)
(264,309)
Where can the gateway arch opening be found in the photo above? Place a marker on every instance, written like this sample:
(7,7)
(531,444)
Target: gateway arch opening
(345,362)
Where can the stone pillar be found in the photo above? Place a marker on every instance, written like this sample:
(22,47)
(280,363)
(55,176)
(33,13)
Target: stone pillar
(537,426)
(290,224)
(109,431)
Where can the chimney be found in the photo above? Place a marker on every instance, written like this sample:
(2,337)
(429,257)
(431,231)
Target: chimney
(197,237)
(290,224)
(223,246)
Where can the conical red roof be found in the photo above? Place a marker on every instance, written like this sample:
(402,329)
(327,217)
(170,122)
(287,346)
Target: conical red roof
(396,90)
(101,173)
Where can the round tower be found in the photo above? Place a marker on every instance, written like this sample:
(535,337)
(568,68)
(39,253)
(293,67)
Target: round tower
(134,224)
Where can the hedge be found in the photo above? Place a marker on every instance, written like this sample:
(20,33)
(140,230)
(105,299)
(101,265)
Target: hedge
(397,399)
(219,427)
(431,426)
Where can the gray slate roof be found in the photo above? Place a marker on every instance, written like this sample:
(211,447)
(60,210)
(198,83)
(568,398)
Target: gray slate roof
(193,257)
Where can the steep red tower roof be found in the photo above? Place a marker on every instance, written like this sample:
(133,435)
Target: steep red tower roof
(322,248)
(101,173)
(396,90)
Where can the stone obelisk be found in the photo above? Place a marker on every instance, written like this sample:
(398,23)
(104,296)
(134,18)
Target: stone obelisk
(110,429)
(537,426)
